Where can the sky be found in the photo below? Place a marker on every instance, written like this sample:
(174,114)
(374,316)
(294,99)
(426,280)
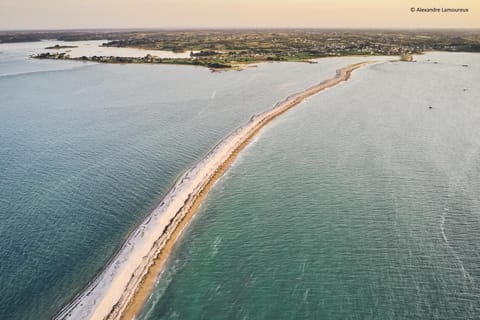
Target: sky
(174,14)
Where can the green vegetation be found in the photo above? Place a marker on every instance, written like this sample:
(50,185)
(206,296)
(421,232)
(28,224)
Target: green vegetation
(225,49)
(212,64)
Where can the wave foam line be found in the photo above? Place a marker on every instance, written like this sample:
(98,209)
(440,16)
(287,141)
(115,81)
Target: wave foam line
(465,273)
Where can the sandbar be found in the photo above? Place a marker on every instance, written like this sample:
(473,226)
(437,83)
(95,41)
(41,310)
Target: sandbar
(123,287)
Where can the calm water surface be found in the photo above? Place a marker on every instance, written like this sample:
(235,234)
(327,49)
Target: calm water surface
(87,150)
(362,203)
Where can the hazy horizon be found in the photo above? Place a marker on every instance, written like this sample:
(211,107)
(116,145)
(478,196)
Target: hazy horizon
(247,14)
(139,29)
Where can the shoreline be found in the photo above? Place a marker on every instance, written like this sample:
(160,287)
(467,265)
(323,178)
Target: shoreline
(86,53)
(122,288)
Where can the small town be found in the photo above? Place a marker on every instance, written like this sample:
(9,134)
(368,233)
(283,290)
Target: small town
(226,49)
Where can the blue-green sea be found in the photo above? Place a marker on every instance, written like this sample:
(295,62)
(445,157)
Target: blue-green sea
(88,150)
(362,203)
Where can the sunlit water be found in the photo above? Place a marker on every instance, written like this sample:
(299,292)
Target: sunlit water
(87,150)
(95,48)
(362,203)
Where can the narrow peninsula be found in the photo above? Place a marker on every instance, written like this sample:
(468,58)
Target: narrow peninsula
(122,288)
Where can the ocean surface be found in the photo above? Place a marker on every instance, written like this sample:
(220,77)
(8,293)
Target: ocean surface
(361,203)
(88,150)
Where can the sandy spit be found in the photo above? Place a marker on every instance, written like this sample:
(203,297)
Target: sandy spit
(123,287)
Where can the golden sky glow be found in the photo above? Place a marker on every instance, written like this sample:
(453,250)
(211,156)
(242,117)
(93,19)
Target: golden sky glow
(32,14)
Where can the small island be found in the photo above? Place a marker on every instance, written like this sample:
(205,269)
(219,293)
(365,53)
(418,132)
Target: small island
(58,47)
(214,64)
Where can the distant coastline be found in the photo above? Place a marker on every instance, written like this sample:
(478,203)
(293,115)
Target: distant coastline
(235,49)
(147,59)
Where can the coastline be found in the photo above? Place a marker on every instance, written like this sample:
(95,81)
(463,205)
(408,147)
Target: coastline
(97,51)
(149,59)
(123,287)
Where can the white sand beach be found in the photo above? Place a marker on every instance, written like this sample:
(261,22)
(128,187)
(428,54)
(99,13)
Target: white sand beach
(123,287)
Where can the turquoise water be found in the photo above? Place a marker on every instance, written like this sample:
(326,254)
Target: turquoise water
(87,150)
(362,203)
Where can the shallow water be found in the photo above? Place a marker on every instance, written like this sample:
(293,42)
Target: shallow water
(94,48)
(362,203)
(87,150)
